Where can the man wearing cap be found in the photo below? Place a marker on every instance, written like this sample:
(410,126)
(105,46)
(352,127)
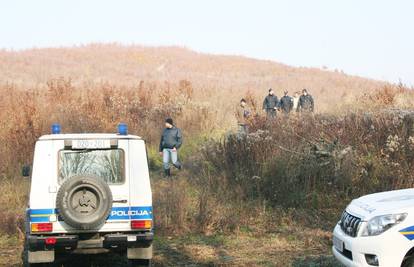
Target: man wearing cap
(171,141)
(270,104)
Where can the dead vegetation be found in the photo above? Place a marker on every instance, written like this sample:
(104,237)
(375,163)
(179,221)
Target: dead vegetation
(280,190)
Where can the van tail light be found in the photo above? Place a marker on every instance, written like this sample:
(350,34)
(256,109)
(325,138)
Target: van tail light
(141,224)
(50,241)
(42,227)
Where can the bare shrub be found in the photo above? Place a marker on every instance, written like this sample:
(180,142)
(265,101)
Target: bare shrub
(315,159)
(27,114)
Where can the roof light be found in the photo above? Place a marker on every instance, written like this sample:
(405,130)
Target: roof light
(56,128)
(123,129)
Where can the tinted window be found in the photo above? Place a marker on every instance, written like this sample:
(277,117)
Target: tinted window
(106,164)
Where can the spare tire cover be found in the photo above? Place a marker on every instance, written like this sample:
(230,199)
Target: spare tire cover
(84,202)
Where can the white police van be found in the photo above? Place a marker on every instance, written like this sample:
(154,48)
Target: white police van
(377,230)
(90,194)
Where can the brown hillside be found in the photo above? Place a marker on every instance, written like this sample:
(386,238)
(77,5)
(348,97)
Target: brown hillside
(127,65)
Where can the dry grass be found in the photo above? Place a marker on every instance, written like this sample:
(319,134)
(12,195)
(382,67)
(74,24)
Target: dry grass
(13,201)
(282,247)
(10,247)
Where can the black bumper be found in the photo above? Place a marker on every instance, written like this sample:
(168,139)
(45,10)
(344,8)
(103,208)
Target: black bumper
(107,241)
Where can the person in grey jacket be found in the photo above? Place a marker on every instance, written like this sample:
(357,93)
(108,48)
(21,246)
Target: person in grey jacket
(171,141)
(270,104)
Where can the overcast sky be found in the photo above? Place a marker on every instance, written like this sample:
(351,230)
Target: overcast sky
(371,38)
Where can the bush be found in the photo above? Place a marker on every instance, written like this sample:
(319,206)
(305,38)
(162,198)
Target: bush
(315,159)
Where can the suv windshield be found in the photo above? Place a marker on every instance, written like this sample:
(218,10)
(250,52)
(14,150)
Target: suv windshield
(107,164)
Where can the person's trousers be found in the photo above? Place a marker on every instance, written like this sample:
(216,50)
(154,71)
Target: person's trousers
(243,130)
(170,155)
(271,113)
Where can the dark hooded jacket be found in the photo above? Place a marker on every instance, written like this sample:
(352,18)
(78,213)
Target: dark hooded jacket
(286,103)
(270,102)
(306,103)
(170,138)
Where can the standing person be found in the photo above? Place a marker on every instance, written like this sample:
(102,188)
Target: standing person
(296,102)
(306,102)
(286,103)
(270,104)
(243,114)
(171,141)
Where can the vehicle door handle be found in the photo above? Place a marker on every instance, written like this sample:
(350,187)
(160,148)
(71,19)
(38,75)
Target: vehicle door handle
(119,201)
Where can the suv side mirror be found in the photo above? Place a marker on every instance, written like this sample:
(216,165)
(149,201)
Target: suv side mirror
(26,171)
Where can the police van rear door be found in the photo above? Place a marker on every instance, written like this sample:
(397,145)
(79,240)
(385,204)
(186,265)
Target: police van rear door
(140,188)
(119,218)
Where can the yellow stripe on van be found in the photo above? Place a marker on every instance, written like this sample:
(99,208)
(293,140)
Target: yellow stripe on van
(40,215)
(407,233)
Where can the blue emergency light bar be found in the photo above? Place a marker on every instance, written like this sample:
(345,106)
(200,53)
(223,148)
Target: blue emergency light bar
(123,129)
(56,128)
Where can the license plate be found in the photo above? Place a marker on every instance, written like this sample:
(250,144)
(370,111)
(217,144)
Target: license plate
(131,238)
(91,144)
(338,244)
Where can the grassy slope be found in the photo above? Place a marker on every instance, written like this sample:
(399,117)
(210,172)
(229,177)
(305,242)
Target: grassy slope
(127,65)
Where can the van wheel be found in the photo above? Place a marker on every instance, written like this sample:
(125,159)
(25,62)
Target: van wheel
(139,263)
(84,202)
(409,262)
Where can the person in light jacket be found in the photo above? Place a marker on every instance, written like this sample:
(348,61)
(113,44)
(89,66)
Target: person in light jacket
(296,102)
(171,141)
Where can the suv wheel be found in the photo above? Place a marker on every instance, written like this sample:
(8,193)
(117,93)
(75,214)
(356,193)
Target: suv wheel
(84,202)
(139,263)
(409,262)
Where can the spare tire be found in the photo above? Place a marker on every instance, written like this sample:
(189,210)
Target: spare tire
(84,202)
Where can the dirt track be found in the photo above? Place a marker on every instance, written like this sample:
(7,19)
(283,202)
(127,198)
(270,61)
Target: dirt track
(199,250)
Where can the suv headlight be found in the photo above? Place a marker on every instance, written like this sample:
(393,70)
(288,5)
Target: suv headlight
(380,224)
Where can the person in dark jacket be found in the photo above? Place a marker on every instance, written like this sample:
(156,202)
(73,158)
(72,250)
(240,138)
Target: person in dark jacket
(171,141)
(270,104)
(306,102)
(286,103)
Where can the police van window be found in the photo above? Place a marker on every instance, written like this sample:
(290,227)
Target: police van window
(107,164)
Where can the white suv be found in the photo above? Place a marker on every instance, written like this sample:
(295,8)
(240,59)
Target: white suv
(90,193)
(377,230)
